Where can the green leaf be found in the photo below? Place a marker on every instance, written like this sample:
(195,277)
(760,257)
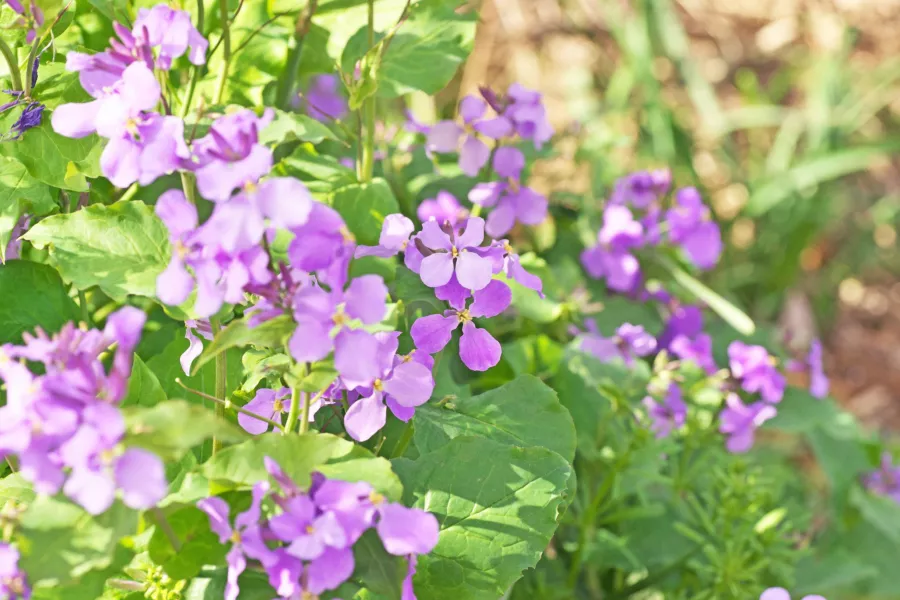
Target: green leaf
(173,427)
(273,333)
(800,412)
(56,160)
(14,488)
(322,174)
(343,18)
(498,507)
(20,193)
(381,572)
(33,296)
(882,513)
(363,207)
(167,367)
(143,386)
(725,309)
(288,127)
(121,248)
(524,412)
(199,545)
(210,585)
(531,305)
(533,354)
(299,456)
(60,541)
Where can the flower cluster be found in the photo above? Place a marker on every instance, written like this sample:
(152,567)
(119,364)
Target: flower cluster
(64,427)
(30,18)
(322,100)
(629,342)
(684,223)
(306,546)
(885,481)
(520,115)
(13,582)
(33,111)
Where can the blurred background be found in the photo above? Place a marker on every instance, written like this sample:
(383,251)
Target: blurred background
(785,113)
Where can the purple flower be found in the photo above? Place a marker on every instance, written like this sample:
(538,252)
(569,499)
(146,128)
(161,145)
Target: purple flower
(610,259)
(14,247)
(739,422)
(669,415)
(629,342)
(886,480)
(444,136)
(697,350)
(506,261)
(323,241)
(403,384)
(756,370)
(478,349)
(448,253)
(395,233)
(528,115)
(443,208)
(13,581)
(511,203)
(685,320)
(818,381)
(777,593)
(31,19)
(691,227)
(31,117)
(246,536)
(171,32)
(270,404)
(230,155)
(323,100)
(642,189)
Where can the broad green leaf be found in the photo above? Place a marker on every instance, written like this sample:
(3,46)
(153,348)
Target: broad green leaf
(530,305)
(210,585)
(299,456)
(143,386)
(423,55)
(173,427)
(274,333)
(60,541)
(800,412)
(497,506)
(725,309)
(57,86)
(536,354)
(363,207)
(33,296)
(343,18)
(321,173)
(288,127)
(525,412)
(199,545)
(835,570)
(842,459)
(121,248)
(14,488)
(882,513)
(20,194)
(379,571)
(56,160)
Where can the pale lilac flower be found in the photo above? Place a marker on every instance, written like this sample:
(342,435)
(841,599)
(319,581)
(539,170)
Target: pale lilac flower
(447,252)
(778,593)
(444,136)
(230,156)
(511,203)
(885,481)
(739,422)
(443,208)
(323,241)
(323,100)
(478,349)
(611,259)
(527,113)
(395,233)
(246,536)
(13,580)
(270,404)
(506,261)
(629,342)
(668,415)
(171,32)
(756,370)
(402,384)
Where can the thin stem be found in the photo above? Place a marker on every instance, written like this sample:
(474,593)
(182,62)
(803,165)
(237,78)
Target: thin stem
(12,467)
(85,313)
(195,70)
(166,527)
(13,65)
(294,412)
(29,66)
(228,404)
(286,84)
(368,151)
(304,415)
(187,184)
(226,45)
(221,372)
(405,439)
(129,193)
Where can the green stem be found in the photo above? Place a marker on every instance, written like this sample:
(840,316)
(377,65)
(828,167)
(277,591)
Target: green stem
(13,65)
(226,47)
(288,79)
(221,372)
(85,313)
(28,66)
(294,412)
(166,528)
(304,415)
(190,190)
(368,151)
(405,439)
(195,70)
(226,404)
(129,193)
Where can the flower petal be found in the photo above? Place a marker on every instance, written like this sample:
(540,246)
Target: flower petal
(473,272)
(436,269)
(365,299)
(411,384)
(433,332)
(492,300)
(478,349)
(366,417)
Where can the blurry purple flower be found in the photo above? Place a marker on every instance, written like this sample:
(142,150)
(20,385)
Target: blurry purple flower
(778,593)
(691,227)
(14,247)
(685,320)
(246,536)
(324,240)
(527,113)
(886,480)
(697,350)
(756,370)
(403,383)
(478,349)
(230,155)
(740,421)
(818,381)
(629,342)
(323,100)
(195,346)
(668,415)
(610,258)
(171,32)
(508,162)
(270,404)
(13,581)
(447,253)
(443,208)
(414,125)
(510,203)
(395,233)
(642,189)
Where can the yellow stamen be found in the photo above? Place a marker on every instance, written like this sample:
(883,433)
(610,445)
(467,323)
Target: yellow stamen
(454,252)
(376,498)
(378,385)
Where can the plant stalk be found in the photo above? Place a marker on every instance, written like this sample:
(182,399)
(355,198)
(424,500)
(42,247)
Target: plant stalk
(287,82)
(226,47)
(228,404)
(368,150)
(221,392)
(294,413)
(29,65)
(195,70)
(13,65)
(403,442)
(166,527)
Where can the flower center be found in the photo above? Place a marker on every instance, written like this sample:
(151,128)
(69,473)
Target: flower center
(378,385)
(408,357)
(507,248)
(250,187)
(463,315)
(454,252)
(340,318)
(376,498)
(310,530)
(347,235)
(236,537)
(278,405)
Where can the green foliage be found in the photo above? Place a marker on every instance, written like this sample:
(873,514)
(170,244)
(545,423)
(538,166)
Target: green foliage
(20,194)
(34,296)
(363,207)
(173,427)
